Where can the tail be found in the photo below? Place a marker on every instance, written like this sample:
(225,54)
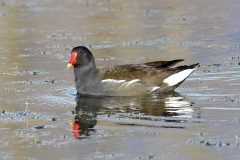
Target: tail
(183,72)
(193,66)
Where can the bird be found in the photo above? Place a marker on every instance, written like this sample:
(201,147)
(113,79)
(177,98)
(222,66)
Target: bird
(127,79)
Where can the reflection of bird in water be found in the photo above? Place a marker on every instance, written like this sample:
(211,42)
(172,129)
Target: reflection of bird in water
(167,105)
(171,105)
(86,114)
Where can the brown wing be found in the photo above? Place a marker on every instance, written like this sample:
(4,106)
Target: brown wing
(163,64)
(125,72)
(147,74)
(132,71)
(152,73)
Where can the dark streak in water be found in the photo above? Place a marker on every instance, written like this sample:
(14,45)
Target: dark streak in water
(152,126)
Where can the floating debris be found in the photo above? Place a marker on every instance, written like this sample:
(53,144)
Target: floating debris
(209,143)
(217,65)
(40,127)
(49,81)
(20,116)
(35,73)
(37,141)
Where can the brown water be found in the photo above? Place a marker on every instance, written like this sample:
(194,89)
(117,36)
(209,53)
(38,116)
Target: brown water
(200,121)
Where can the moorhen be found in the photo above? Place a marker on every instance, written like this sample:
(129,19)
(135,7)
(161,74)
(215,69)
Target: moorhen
(125,80)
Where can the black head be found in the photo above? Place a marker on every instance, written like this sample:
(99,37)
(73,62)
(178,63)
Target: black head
(81,56)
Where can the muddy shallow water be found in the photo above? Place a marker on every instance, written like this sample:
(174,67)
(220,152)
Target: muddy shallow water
(40,115)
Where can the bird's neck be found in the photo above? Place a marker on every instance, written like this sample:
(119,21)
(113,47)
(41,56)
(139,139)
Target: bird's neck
(86,78)
(85,72)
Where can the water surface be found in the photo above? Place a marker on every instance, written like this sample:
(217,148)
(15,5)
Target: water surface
(41,118)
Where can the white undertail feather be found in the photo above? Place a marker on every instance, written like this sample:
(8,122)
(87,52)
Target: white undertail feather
(178,77)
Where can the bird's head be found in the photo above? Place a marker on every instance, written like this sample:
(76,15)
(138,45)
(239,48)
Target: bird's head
(80,56)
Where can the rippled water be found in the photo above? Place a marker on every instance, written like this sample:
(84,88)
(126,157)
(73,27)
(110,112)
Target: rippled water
(41,117)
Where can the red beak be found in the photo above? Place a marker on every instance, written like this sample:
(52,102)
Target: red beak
(73,60)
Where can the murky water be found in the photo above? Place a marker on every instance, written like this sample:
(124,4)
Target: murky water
(42,119)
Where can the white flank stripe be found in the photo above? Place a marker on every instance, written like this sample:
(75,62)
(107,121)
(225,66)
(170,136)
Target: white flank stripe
(119,83)
(113,81)
(132,81)
(178,77)
(154,88)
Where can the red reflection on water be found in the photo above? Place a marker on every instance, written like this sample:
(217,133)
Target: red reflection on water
(76,129)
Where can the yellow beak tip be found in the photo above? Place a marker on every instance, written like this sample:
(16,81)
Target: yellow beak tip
(69,65)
